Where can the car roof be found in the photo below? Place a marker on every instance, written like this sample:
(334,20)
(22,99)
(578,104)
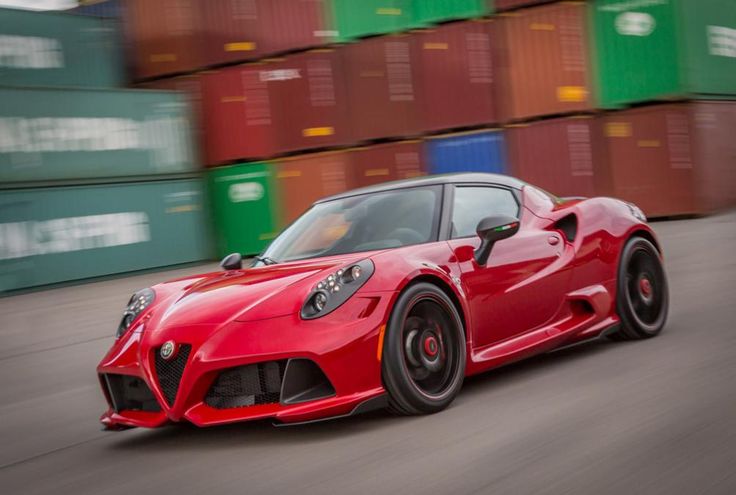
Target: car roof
(432,180)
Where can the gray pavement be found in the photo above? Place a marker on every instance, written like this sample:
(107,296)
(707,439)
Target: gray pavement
(645,417)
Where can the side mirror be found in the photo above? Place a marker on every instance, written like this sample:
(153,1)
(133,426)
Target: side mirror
(491,230)
(233,261)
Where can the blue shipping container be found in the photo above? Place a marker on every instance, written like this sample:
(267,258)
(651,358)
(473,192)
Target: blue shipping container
(482,151)
(103,8)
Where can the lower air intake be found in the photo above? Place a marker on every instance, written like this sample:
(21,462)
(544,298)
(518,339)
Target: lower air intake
(129,393)
(246,386)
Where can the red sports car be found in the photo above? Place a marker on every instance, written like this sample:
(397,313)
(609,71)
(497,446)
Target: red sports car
(386,296)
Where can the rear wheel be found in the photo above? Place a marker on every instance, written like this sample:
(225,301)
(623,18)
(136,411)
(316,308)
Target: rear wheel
(642,292)
(423,362)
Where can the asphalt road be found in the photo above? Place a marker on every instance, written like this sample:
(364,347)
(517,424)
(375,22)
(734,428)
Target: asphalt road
(646,417)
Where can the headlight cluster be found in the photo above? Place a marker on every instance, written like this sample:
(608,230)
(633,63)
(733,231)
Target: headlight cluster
(137,304)
(335,289)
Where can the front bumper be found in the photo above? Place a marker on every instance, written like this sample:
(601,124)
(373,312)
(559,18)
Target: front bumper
(343,345)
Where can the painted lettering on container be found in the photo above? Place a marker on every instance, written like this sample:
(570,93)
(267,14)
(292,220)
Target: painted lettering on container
(30,52)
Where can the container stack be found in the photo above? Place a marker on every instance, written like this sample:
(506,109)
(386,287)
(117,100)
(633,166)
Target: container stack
(297,99)
(96,179)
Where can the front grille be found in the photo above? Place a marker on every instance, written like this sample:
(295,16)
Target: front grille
(130,393)
(169,371)
(246,386)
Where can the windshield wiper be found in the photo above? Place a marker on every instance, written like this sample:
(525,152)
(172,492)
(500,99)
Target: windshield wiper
(266,260)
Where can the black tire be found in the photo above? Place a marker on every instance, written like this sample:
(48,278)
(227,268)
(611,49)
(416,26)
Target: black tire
(642,293)
(423,363)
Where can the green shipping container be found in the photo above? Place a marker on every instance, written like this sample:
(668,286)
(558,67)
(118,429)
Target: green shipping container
(56,49)
(244,206)
(73,134)
(664,49)
(355,19)
(62,234)
(425,12)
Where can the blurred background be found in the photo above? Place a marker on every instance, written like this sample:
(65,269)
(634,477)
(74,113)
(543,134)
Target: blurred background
(138,134)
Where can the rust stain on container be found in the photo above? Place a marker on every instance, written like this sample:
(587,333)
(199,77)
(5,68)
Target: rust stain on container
(386,162)
(543,62)
(675,159)
(304,179)
(457,77)
(382,96)
(558,155)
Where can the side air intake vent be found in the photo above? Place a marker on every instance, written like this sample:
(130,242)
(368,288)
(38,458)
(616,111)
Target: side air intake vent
(568,225)
(129,393)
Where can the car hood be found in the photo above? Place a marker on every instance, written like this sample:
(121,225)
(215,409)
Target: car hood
(244,295)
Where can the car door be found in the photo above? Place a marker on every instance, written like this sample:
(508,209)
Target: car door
(522,286)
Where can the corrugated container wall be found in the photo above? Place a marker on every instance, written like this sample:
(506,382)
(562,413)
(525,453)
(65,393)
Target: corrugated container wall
(381,75)
(544,67)
(457,75)
(502,5)
(237,115)
(302,180)
(366,17)
(233,30)
(72,134)
(244,207)
(164,37)
(665,49)
(673,159)
(482,151)
(91,231)
(428,12)
(309,99)
(297,24)
(52,49)
(558,155)
(386,162)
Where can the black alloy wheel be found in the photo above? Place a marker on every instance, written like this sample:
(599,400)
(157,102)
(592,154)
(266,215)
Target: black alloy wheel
(424,352)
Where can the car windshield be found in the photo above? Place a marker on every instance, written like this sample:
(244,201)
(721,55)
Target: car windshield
(367,222)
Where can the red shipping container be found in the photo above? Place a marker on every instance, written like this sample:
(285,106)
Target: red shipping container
(457,76)
(237,115)
(543,67)
(673,159)
(309,100)
(386,162)
(234,30)
(558,155)
(501,5)
(302,180)
(296,24)
(381,75)
(164,37)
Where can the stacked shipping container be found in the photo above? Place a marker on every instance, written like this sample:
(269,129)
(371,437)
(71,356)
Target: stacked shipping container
(95,181)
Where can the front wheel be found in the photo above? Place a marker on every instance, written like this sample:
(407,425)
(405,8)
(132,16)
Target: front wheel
(642,292)
(423,363)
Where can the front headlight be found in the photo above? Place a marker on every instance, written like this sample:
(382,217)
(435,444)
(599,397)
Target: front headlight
(137,304)
(330,293)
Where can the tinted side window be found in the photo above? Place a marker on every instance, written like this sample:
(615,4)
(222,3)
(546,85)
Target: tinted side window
(472,204)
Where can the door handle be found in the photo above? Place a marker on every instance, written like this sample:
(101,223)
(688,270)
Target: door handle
(553,240)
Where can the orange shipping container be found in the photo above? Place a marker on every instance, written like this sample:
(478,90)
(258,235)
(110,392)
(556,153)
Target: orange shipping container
(302,180)
(558,155)
(543,66)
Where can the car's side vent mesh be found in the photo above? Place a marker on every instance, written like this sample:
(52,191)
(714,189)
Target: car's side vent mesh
(170,371)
